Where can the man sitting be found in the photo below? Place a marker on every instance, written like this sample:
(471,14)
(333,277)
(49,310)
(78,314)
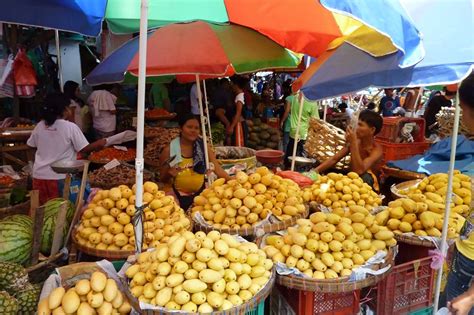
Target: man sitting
(365,153)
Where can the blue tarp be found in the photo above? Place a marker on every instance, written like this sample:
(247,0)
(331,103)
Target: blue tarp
(76,16)
(436,159)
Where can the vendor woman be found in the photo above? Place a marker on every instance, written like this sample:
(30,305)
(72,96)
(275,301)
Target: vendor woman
(365,152)
(183,162)
(56,139)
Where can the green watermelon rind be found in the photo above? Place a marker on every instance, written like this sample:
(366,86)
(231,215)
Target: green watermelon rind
(16,247)
(49,223)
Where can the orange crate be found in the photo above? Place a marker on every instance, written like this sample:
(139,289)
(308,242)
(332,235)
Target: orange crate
(401,151)
(393,125)
(407,288)
(318,303)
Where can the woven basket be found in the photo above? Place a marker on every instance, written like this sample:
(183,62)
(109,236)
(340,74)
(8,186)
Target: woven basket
(339,285)
(324,141)
(21,208)
(254,231)
(243,309)
(445,120)
(413,240)
(106,254)
(395,189)
(401,174)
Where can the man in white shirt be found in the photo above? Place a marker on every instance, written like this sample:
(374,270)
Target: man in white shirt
(103,110)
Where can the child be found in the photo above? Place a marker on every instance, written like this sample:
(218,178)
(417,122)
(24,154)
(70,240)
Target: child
(365,153)
(55,139)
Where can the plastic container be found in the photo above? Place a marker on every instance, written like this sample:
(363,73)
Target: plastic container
(401,151)
(423,311)
(270,156)
(392,127)
(408,288)
(318,303)
(259,310)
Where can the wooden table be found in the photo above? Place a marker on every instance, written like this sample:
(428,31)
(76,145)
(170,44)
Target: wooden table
(13,148)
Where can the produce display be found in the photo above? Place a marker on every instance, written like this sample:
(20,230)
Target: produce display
(123,174)
(6,180)
(158,113)
(164,135)
(199,273)
(17,295)
(422,210)
(108,154)
(16,237)
(337,191)
(52,208)
(97,295)
(328,245)
(246,200)
(156,145)
(262,136)
(106,224)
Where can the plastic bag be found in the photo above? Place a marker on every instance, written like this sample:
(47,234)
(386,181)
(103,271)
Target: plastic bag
(23,71)
(298,178)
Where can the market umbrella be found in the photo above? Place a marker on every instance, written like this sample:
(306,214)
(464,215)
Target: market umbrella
(449,48)
(449,58)
(185,49)
(304,26)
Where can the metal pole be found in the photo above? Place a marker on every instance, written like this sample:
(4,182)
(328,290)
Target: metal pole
(418,96)
(296,139)
(325,106)
(137,218)
(203,126)
(208,118)
(444,232)
(60,67)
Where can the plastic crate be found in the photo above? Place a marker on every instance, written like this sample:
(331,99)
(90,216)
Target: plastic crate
(318,303)
(423,311)
(401,151)
(259,310)
(392,127)
(408,288)
(278,304)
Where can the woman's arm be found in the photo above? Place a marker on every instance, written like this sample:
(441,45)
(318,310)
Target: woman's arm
(165,174)
(217,166)
(286,113)
(94,146)
(220,113)
(329,163)
(238,113)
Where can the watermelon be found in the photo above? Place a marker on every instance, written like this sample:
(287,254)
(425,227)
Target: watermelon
(49,222)
(16,238)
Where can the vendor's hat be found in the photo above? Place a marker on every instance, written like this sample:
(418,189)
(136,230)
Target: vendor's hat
(452,88)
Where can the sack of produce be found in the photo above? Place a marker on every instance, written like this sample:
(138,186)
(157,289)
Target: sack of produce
(232,158)
(82,289)
(199,272)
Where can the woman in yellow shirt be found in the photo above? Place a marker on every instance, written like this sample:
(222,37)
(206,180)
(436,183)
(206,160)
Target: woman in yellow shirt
(459,288)
(183,163)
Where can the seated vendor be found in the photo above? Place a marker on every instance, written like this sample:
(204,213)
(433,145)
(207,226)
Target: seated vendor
(365,153)
(183,162)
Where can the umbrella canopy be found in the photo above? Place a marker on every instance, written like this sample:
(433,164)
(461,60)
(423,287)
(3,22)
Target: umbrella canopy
(449,48)
(186,49)
(78,16)
(303,26)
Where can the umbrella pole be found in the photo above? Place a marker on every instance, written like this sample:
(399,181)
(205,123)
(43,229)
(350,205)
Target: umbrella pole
(418,96)
(137,217)
(444,232)
(325,106)
(208,118)
(295,144)
(203,126)
(60,68)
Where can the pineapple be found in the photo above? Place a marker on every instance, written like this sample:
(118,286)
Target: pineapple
(8,304)
(13,277)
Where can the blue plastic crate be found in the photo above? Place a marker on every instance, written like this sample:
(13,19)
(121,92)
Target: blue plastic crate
(259,310)
(423,311)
